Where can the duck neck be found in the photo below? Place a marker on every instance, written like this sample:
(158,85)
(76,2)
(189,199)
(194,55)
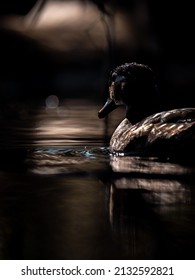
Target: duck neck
(135,116)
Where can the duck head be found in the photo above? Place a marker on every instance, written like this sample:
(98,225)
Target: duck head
(133,85)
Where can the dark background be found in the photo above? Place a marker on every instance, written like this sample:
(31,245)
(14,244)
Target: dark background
(164,40)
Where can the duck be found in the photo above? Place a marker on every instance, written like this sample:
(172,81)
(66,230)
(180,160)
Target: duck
(146,128)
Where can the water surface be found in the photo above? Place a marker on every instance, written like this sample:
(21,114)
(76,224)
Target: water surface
(63,196)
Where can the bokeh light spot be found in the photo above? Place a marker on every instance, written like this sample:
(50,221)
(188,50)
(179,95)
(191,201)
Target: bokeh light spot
(52,102)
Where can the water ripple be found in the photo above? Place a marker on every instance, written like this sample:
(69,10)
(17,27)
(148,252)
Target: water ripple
(68,160)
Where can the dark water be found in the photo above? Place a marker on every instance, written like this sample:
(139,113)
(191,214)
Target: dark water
(62,196)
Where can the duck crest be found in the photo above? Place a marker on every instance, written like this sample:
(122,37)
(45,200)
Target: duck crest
(146,129)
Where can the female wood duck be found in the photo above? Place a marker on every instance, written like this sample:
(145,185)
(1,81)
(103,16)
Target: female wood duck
(146,130)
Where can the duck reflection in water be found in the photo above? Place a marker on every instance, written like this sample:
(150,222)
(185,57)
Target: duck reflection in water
(148,202)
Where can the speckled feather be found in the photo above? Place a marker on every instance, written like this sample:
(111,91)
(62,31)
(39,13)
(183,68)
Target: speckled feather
(174,126)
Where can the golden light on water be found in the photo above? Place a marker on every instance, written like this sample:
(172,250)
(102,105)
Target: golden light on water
(63,122)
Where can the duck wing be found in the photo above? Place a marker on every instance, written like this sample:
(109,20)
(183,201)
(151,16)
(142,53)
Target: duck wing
(167,132)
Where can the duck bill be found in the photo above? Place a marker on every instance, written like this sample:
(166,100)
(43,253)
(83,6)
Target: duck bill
(107,108)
